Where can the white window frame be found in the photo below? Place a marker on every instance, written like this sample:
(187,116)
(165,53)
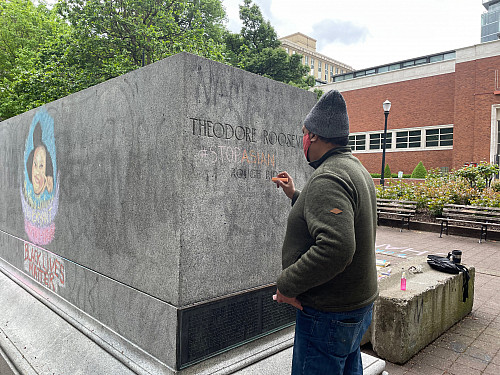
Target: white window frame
(358,141)
(392,134)
(381,136)
(439,136)
(408,142)
(495,142)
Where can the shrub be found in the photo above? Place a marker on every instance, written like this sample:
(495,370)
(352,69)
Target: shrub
(387,171)
(488,197)
(419,171)
(439,189)
(495,186)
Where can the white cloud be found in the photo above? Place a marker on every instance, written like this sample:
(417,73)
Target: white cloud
(376,32)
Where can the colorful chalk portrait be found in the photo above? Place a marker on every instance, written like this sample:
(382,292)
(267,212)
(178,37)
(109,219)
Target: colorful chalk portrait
(40,188)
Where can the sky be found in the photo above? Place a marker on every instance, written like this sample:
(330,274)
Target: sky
(367,33)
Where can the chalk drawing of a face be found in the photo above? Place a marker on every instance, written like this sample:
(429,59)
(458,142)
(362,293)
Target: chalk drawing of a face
(39,199)
(40,163)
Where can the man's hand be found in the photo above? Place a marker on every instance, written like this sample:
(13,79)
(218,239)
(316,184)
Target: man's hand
(288,187)
(280,298)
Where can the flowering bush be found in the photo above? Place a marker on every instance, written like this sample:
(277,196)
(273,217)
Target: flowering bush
(466,186)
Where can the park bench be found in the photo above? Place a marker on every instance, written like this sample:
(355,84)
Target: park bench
(404,210)
(472,216)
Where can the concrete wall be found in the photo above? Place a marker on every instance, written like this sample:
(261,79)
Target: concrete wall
(160,193)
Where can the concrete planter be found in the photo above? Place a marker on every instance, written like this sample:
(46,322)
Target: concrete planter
(405,322)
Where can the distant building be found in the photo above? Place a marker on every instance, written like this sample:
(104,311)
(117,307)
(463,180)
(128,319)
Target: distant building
(490,21)
(323,68)
(445,109)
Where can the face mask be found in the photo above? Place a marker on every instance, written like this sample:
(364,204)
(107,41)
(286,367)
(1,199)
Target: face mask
(306,142)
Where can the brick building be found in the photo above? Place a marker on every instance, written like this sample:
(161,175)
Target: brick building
(445,109)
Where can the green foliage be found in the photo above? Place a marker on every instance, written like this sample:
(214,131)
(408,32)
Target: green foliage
(144,31)
(439,189)
(479,176)
(257,49)
(488,198)
(59,67)
(387,171)
(319,93)
(419,171)
(393,175)
(25,29)
(495,186)
(47,54)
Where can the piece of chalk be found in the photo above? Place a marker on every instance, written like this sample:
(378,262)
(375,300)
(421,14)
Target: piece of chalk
(276,179)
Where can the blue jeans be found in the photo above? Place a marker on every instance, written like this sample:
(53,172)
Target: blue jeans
(327,343)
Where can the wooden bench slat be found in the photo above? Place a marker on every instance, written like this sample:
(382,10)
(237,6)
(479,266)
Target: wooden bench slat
(393,207)
(471,215)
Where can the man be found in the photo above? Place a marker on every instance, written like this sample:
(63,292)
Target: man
(328,255)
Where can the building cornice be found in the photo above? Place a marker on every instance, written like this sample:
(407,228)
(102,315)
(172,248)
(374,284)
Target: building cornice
(300,48)
(478,51)
(400,75)
(298,33)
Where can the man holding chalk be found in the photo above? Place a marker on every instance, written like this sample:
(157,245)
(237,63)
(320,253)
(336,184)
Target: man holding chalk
(328,255)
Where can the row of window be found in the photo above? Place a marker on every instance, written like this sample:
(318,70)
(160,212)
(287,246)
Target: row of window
(490,25)
(403,139)
(309,61)
(396,66)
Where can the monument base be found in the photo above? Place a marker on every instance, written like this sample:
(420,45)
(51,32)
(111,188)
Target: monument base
(41,332)
(37,336)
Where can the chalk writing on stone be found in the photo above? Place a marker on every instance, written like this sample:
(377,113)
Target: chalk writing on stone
(46,268)
(235,155)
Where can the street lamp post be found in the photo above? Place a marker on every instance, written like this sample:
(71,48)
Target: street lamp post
(387,106)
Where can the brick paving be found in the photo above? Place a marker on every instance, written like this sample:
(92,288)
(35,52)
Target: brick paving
(472,346)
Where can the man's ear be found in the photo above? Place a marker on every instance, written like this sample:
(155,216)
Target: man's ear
(313,137)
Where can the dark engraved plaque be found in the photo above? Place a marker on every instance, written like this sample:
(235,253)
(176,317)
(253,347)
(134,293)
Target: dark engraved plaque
(213,327)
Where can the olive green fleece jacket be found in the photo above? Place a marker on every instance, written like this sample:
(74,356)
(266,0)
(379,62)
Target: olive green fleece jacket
(328,254)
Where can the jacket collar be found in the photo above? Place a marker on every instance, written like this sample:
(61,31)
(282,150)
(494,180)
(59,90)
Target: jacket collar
(334,151)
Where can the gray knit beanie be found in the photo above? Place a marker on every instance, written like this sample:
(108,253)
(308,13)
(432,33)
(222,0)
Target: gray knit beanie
(328,118)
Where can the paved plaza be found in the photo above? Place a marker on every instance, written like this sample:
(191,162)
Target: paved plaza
(472,346)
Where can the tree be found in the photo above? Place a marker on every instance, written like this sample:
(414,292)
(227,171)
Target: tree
(23,27)
(257,49)
(419,171)
(479,176)
(50,53)
(145,31)
(60,67)
(24,31)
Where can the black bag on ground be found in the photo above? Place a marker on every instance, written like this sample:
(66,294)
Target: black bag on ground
(445,265)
